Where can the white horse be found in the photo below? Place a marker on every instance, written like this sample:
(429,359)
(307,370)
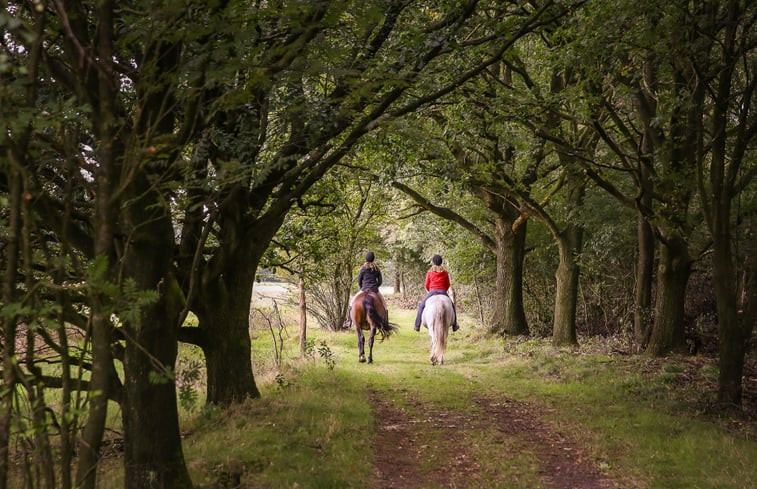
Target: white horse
(438,316)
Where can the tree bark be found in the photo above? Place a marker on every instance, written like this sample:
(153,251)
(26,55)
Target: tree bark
(9,324)
(109,152)
(153,455)
(672,277)
(224,311)
(566,293)
(646,105)
(303,314)
(733,336)
(729,145)
(569,245)
(509,317)
(225,322)
(642,313)
(94,429)
(508,247)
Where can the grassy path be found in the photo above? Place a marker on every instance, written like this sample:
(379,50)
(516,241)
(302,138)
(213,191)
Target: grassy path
(497,415)
(444,427)
(464,448)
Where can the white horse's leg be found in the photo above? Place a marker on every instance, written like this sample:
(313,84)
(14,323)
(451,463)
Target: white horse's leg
(443,340)
(433,343)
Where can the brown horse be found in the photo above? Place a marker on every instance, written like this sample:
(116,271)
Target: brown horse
(368,313)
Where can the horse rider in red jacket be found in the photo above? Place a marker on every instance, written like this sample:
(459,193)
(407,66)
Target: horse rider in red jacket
(437,282)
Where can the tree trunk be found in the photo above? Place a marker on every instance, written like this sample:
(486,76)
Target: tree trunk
(9,324)
(566,293)
(110,149)
(735,321)
(509,316)
(729,146)
(153,456)
(229,350)
(672,277)
(646,106)
(642,313)
(732,339)
(569,245)
(225,321)
(224,312)
(303,315)
(100,381)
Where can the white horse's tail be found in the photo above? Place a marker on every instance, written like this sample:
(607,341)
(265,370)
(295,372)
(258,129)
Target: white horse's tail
(442,320)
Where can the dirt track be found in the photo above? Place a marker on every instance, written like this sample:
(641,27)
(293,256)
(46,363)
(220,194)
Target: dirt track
(400,446)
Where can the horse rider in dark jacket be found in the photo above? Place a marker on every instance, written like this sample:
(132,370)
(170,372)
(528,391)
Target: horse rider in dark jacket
(369,279)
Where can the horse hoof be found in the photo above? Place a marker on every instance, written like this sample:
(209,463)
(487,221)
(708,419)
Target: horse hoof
(370,360)
(362,360)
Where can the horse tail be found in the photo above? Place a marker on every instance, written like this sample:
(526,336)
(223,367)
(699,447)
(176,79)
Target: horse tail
(376,318)
(442,320)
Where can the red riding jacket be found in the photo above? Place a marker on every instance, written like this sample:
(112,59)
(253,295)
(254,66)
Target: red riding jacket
(437,280)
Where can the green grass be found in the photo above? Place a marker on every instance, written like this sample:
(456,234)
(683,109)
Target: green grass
(314,428)
(289,437)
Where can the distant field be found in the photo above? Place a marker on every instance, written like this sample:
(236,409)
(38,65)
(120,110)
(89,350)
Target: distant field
(272,289)
(276,290)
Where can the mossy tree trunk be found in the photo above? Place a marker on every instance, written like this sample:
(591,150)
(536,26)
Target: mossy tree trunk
(642,313)
(569,245)
(224,311)
(153,453)
(509,316)
(566,291)
(673,274)
(225,326)
(9,329)
(508,246)
(734,275)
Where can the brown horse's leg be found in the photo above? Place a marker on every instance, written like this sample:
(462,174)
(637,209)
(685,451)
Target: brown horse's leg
(370,344)
(360,344)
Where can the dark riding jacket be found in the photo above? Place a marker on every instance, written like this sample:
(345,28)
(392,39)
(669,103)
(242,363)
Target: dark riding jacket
(369,278)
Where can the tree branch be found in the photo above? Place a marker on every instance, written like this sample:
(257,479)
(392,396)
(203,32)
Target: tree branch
(448,214)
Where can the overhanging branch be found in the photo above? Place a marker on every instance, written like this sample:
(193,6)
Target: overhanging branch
(447,214)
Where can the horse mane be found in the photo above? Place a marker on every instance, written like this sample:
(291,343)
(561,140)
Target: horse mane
(370,264)
(437,268)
